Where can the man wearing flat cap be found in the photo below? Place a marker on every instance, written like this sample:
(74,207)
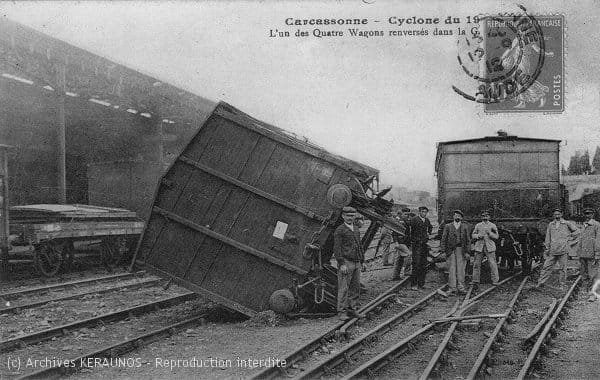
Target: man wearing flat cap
(455,243)
(588,251)
(420,228)
(347,250)
(559,234)
(484,233)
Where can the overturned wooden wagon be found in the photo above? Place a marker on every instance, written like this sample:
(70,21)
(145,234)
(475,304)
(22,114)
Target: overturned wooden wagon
(245,216)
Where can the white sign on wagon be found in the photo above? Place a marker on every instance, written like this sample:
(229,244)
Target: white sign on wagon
(280,229)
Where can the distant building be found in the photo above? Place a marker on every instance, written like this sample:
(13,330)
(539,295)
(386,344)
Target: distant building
(585,195)
(583,192)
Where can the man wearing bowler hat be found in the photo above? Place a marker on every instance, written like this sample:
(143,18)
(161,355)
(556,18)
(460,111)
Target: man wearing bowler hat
(420,228)
(347,250)
(455,244)
(588,251)
(484,233)
(559,234)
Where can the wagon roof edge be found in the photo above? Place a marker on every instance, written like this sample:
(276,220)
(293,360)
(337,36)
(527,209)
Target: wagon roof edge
(497,138)
(440,144)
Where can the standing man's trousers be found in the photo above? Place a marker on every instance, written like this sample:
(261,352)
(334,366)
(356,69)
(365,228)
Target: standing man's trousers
(349,287)
(456,270)
(419,264)
(588,268)
(491,257)
(549,263)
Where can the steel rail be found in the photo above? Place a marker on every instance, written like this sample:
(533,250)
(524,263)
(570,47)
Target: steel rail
(489,290)
(548,329)
(540,325)
(359,343)
(437,356)
(484,356)
(398,349)
(393,351)
(343,331)
(313,345)
(431,366)
(41,289)
(137,285)
(114,350)
(47,334)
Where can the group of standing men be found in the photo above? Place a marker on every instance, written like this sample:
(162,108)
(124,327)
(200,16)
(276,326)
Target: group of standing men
(562,233)
(416,234)
(456,242)
(349,255)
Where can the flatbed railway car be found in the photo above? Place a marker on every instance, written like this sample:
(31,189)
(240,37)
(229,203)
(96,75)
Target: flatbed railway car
(51,231)
(516,179)
(245,216)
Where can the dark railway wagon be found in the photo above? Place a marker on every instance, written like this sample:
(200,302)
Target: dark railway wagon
(245,215)
(515,178)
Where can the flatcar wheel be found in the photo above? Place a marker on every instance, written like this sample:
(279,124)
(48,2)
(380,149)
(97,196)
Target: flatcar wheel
(48,258)
(111,254)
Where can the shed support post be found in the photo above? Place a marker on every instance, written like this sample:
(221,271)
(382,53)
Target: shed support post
(62,149)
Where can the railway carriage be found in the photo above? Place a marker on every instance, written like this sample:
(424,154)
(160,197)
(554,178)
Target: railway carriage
(517,179)
(245,216)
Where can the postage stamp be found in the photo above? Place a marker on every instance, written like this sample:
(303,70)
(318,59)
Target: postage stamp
(545,89)
(515,63)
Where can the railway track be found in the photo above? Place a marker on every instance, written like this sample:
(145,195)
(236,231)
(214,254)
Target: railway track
(401,347)
(555,320)
(24,273)
(158,318)
(380,334)
(47,334)
(11,295)
(453,357)
(129,286)
(115,350)
(344,358)
(303,352)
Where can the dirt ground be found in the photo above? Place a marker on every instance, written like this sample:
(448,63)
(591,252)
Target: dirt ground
(576,348)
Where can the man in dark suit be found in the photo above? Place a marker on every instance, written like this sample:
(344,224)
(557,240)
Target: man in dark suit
(349,255)
(420,228)
(455,243)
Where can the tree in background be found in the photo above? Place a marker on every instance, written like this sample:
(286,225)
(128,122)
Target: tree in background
(585,163)
(575,164)
(596,161)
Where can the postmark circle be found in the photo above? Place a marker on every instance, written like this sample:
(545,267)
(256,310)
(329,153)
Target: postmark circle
(518,76)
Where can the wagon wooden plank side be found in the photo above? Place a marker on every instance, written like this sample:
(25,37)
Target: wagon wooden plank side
(234,214)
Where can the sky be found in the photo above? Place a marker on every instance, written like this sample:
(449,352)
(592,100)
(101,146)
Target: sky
(384,102)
